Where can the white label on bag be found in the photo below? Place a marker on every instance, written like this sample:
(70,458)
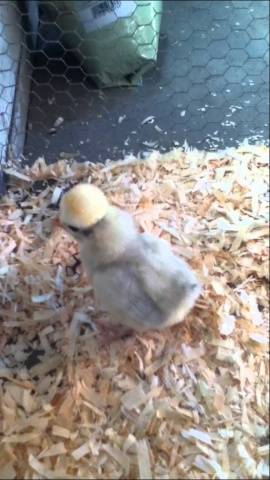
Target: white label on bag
(105,12)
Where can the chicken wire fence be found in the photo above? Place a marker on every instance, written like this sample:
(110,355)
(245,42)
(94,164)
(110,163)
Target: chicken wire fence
(102,79)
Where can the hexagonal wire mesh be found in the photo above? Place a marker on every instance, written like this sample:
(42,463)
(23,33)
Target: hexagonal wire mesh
(209,85)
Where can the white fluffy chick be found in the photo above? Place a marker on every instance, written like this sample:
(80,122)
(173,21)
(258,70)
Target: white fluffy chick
(136,277)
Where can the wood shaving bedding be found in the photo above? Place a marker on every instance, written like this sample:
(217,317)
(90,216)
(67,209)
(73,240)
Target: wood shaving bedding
(190,402)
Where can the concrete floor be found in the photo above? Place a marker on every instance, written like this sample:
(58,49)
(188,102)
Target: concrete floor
(210,87)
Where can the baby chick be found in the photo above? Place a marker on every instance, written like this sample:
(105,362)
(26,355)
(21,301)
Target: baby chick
(137,278)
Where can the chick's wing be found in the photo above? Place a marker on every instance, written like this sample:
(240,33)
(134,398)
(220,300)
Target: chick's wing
(121,293)
(167,279)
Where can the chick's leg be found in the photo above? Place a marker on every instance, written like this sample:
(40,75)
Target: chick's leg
(112,331)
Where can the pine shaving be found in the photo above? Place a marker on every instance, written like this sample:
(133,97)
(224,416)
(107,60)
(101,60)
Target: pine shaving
(143,460)
(189,402)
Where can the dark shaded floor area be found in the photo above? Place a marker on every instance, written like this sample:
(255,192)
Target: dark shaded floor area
(210,88)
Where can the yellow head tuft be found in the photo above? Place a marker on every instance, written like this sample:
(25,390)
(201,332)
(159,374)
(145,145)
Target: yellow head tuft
(83,206)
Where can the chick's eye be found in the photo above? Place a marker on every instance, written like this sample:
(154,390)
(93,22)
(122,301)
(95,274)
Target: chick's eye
(73,229)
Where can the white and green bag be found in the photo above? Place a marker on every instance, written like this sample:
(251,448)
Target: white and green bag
(117,41)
